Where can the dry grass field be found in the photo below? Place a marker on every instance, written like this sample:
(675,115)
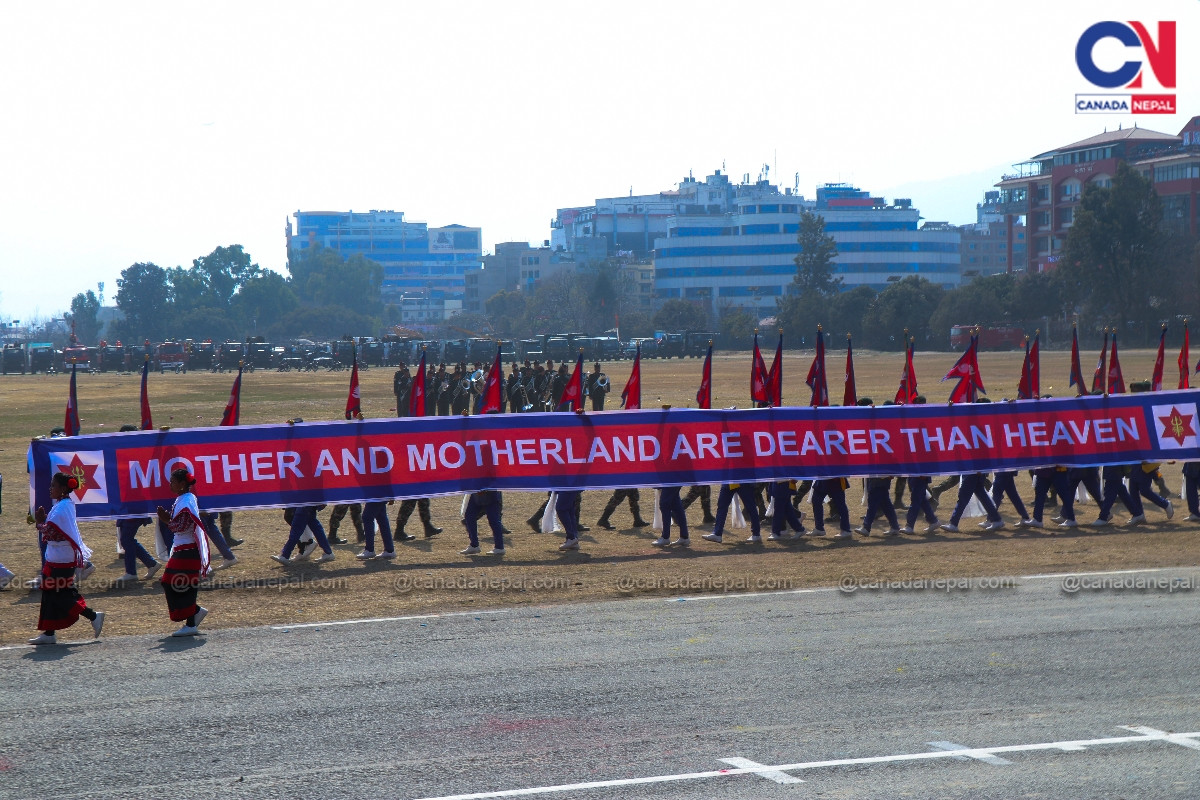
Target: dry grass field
(430,576)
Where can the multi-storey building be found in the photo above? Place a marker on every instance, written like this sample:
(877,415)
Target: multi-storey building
(422,266)
(516,266)
(984,244)
(631,224)
(1045,190)
(746,257)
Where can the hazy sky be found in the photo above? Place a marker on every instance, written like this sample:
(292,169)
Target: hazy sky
(159,131)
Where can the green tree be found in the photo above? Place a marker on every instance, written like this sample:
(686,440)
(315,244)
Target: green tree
(143,295)
(736,328)
(983,301)
(906,304)
(636,324)
(187,290)
(222,272)
(85,308)
(559,304)
(320,277)
(1111,262)
(505,311)
(845,312)
(814,264)
(321,323)
(680,315)
(261,302)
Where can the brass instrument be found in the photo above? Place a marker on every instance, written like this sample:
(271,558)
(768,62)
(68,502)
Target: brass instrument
(519,395)
(601,382)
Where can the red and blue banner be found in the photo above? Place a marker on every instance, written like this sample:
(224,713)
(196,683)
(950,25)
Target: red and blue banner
(270,466)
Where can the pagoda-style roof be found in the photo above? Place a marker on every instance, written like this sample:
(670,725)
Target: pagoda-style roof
(1133,134)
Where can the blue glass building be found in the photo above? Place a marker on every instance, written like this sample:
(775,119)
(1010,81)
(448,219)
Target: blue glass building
(418,262)
(745,257)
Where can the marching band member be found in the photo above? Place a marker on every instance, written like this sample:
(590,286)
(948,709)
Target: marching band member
(596,387)
(614,502)
(703,493)
(401,388)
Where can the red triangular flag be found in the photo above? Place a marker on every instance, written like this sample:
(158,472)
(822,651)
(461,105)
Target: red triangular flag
(704,394)
(631,395)
(1101,373)
(572,396)
(353,402)
(1030,387)
(1116,383)
(416,395)
(907,393)
(1156,378)
(850,395)
(147,422)
(71,420)
(966,369)
(492,386)
(1185,361)
(759,392)
(816,374)
(233,409)
(1076,367)
(775,375)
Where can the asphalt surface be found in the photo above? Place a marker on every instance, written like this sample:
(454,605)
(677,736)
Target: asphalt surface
(514,700)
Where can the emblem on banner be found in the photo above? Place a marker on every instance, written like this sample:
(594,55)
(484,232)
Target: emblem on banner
(87,467)
(1176,425)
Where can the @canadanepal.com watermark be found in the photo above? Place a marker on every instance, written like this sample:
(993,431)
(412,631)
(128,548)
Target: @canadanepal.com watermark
(849,584)
(403,584)
(1074,584)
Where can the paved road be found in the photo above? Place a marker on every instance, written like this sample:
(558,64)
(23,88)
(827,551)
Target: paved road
(499,701)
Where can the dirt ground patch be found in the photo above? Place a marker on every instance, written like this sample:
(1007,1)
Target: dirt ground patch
(430,576)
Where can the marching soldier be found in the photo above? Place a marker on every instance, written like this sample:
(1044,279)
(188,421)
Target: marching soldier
(401,387)
(596,387)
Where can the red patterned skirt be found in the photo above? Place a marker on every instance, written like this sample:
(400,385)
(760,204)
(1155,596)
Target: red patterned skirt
(181,582)
(61,601)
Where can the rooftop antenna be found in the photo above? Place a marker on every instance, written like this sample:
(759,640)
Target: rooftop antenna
(797,188)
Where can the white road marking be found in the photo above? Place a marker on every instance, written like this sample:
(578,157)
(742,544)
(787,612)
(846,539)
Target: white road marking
(761,770)
(387,619)
(1174,738)
(741,595)
(1050,575)
(996,760)
(1078,745)
(18,647)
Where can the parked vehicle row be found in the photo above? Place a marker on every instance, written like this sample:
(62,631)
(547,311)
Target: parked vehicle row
(306,356)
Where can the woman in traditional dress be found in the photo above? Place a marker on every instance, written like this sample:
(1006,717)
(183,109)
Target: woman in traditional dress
(62,604)
(189,555)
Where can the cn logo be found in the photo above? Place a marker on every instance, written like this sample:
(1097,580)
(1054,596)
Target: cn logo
(1160,54)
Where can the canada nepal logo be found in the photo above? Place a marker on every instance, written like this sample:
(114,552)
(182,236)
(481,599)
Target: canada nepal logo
(1158,52)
